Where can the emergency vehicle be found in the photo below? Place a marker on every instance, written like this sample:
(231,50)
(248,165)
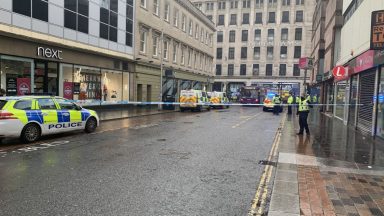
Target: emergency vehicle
(268,102)
(194,100)
(219,99)
(30,117)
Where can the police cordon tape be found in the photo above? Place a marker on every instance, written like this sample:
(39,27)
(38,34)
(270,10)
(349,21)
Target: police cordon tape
(203,104)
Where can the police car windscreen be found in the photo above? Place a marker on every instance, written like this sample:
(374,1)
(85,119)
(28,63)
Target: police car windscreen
(2,103)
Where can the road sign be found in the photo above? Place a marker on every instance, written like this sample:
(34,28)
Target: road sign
(338,72)
(377,30)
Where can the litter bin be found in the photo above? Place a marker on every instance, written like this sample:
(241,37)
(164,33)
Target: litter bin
(169,99)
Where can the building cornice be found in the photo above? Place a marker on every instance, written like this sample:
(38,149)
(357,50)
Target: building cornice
(198,13)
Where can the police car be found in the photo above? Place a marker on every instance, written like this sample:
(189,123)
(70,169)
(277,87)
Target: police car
(30,117)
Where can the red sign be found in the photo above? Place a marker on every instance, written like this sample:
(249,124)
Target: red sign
(23,86)
(377,30)
(364,61)
(68,90)
(303,63)
(339,72)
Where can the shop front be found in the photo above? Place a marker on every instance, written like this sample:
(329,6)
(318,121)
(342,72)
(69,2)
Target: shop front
(29,68)
(379,62)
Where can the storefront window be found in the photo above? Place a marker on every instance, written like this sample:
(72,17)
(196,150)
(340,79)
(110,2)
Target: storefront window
(380,107)
(15,76)
(125,87)
(87,85)
(330,101)
(353,101)
(340,99)
(111,86)
(185,84)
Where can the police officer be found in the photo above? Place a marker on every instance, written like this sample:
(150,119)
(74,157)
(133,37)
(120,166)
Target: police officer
(303,111)
(314,99)
(290,103)
(276,101)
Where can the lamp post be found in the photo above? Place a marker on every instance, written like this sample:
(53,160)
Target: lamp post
(160,106)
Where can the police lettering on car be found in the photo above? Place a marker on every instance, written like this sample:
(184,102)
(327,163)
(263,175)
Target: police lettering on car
(65,125)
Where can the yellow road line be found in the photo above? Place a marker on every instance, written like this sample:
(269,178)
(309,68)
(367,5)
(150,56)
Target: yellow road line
(262,189)
(246,120)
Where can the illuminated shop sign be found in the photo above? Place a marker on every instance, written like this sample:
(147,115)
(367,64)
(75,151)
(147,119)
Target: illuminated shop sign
(49,53)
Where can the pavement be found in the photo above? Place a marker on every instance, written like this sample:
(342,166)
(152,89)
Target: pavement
(335,171)
(128,112)
(171,164)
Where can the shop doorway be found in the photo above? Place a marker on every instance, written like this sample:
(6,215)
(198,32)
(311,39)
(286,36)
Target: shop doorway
(149,93)
(46,78)
(139,92)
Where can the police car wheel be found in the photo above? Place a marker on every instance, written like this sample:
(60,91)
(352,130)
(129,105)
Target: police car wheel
(30,133)
(91,125)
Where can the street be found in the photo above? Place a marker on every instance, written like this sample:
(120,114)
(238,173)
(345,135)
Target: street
(170,164)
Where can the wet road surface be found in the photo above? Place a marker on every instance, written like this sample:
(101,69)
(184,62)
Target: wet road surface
(170,164)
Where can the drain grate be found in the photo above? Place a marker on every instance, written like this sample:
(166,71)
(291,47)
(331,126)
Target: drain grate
(161,140)
(265,162)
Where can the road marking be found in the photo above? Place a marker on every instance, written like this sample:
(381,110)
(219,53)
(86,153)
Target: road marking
(246,120)
(259,201)
(35,147)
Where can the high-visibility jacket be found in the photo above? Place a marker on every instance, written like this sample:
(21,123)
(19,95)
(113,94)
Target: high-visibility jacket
(303,105)
(314,99)
(297,99)
(290,100)
(276,100)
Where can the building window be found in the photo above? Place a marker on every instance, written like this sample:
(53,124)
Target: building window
(129,24)
(199,6)
(221,20)
(219,53)
(246,3)
(271,35)
(143,41)
(243,70)
(272,3)
(259,3)
(210,6)
(299,2)
(231,69)
(197,32)
(283,52)
(156,7)
(284,34)
(143,3)
(108,21)
(220,36)
(244,51)
(233,20)
(231,53)
(234,4)
(166,48)
(218,69)
(285,18)
(189,57)
(297,53)
(232,36)
(221,5)
(286,2)
(183,20)
(182,55)
(76,15)
(283,70)
(256,53)
(39,8)
(299,16)
(246,18)
(268,70)
(244,35)
(270,53)
(259,18)
(257,35)
(166,12)
(210,17)
(155,45)
(255,70)
(175,46)
(296,70)
(298,34)
(271,17)
(190,28)
(176,18)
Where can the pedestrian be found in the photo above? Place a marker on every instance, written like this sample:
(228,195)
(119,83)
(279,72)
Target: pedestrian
(290,103)
(303,111)
(2,92)
(276,101)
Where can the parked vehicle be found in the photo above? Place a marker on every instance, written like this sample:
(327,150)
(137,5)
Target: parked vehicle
(249,95)
(194,100)
(219,100)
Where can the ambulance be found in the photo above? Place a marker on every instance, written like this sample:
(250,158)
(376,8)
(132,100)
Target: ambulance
(194,100)
(30,117)
(219,99)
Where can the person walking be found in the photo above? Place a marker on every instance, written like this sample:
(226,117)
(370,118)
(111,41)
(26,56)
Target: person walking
(290,103)
(276,101)
(303,111)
